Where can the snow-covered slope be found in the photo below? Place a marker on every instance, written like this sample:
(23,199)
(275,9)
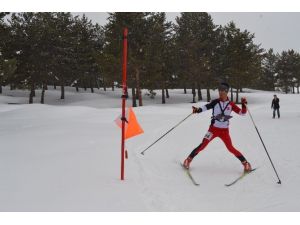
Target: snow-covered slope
(65,155)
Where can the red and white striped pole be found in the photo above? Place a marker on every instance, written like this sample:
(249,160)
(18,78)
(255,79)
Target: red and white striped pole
(124,97)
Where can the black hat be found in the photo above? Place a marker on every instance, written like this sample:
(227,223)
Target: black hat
(223,87)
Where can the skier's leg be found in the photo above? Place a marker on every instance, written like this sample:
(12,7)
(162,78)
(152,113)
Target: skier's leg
(278,113)
(227,140)
(207,138)
(225,137)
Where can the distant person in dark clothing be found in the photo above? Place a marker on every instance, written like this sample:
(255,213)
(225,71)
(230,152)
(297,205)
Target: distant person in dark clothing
(275,106)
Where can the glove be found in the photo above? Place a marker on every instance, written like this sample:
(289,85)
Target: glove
(196,110)
(244,101)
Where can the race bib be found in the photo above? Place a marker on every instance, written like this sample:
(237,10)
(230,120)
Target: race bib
(208,135)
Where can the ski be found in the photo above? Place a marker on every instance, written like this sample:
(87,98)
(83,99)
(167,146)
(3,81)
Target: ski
(239,178)
(189,175)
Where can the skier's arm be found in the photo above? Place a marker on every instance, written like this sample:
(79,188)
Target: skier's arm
(272,104)
(210,105)
(196,110)
(205,107)
(241,111)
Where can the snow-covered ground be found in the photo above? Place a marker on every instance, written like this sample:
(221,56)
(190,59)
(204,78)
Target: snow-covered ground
(65,155)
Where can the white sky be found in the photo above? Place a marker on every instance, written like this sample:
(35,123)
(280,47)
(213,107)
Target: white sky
(274,23)
(272,30)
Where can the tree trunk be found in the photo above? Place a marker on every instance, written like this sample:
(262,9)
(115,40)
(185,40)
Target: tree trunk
(43,94)
(77,88)
(136,93)
(62,88)
(112,86)
(184,88)
(0,89)
(199,92)
(92,86)
(167,93)
(194,93)
(138,88)
(31,95)
(208,94)
(104,85)
(298,88)
(237,96)
(231,94)
(163,98)
(97,83)
(133,97)
(54,85)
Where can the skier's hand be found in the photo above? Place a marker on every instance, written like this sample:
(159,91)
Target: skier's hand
(196,110)
(244,101)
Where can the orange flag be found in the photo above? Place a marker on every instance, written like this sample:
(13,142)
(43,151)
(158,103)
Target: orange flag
(132,128)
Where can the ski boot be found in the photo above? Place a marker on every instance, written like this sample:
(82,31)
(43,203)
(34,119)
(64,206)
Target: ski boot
(247,167)
(186,162)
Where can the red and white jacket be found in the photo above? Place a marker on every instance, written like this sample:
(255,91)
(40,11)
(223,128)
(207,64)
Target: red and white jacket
(221,112)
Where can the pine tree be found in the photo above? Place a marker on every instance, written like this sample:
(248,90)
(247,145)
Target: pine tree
(287,69)
(185,41)
(268,77)
(23,48)
(137,39)
(243,58)
(157,73)
(86,50)
(64,42)
(197,42)
(4,32)
(297,72)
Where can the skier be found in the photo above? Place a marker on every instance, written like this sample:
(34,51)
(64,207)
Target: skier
(275,106)
(222,109)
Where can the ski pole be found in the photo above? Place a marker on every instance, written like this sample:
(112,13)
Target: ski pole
(143,152)
(279,181)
